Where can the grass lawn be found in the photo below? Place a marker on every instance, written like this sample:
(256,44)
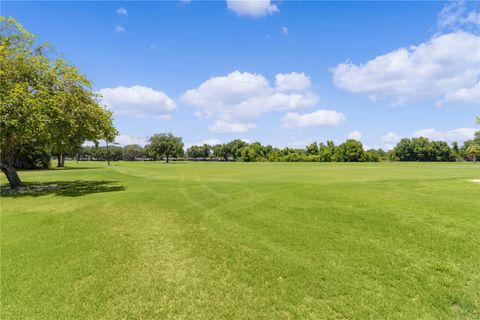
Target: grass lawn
(147,240)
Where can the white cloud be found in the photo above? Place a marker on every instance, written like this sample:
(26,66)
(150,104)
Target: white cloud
(137,101)
(125,139)
(165,117)
(455,135)
(391,137)
(231,127)
(252,8)
(244,95)
(463,96)
(356,135)
(317,118)
(119,29)
(285,31)
(211,142)
(122,11)
(293,81)
(455,15)
(435,69)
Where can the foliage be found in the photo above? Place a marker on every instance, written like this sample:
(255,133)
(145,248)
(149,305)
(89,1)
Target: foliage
(45,104)
(422,149)
(199,152)
(164,145)
(349,151)
(473,151)
(133,152)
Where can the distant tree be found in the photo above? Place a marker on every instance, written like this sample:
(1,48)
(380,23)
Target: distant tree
(133,152)
(404,150)
(455,147)
(234,147)
(473,151)
(221,151)
(371,155)
(165,145)
(325,152)
(349,151)
(331,146)
(440,151)
(199,152)
(312,149)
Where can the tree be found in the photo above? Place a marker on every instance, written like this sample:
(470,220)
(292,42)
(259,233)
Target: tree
(133,152)
(349,151)
(165,145)
(473,151)
(404,150)
(325,152)
(77,117)
(199,152)
(37,96)
(371,155)
(234,147)
(312,149)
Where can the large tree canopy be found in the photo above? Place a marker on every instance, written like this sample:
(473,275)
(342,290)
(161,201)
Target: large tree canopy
(165,145)
(46,105)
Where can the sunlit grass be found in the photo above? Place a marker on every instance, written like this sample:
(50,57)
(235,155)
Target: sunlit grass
(146,240)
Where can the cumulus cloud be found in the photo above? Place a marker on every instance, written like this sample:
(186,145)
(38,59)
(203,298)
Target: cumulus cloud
(436,69)
(356,135)
(391,137)
(455,135)
(463,96)
(137,101)
(319,118)
(125,139)
(211,142)
(455,15)
(122,11)
(252,8)
(220,126)
(240,96)
(292,82)
(119,29)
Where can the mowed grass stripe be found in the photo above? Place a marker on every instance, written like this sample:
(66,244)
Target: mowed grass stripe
(250,241)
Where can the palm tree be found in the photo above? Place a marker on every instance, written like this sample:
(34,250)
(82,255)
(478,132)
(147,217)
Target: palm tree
(473,151)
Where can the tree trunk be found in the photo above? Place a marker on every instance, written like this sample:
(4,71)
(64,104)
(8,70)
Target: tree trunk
(60,161)
(108,155)
(12,175)
(167,158)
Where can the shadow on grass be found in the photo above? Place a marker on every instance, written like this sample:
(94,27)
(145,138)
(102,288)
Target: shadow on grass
(75,188)
(73,168)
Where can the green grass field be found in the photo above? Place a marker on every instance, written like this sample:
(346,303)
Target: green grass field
(243,241)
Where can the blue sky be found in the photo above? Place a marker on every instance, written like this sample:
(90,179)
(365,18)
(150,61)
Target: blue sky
(284,73)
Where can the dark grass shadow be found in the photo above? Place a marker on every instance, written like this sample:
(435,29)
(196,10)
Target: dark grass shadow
(74,168)
(75,188)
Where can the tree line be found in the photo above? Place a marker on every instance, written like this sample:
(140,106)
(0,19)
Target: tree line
(166,146)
